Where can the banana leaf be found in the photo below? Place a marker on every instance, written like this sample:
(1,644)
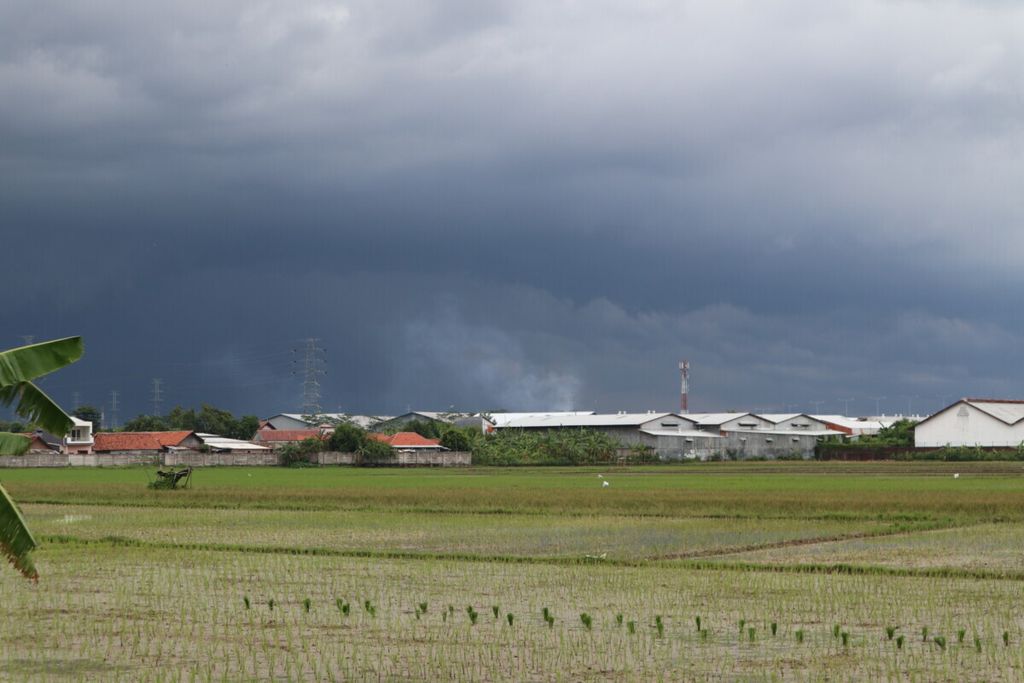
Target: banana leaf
(16,542)
(26,363)
(19,366)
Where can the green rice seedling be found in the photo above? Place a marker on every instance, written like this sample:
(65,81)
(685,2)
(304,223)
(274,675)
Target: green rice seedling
(899,642)
(618,619)
(660,625)
(924,634)
(495,609)
(835,631)
(588,621)
(940,641)
(245,599)
(551,620)
(845,638)
(977,644)
(1006,638)
(509,618)
(270,604)
(345,608)
(774,628)
(697,619)
(890,631)
(704,634)
(750,633)
(545,613)
(799,635)
(307,604)
(473,614)
(444,616)
(743,622)
(417,612)
(960,635)
(631,627)
(423,607)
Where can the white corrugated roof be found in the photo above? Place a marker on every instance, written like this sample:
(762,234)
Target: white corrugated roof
(589,420)
(789,432)
(502,419)
(364,421)
(714,418)
(223,443)
(1006,411)
(690,433)
(776,418)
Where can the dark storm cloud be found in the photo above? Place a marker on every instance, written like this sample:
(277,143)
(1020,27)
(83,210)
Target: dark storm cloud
(520,205)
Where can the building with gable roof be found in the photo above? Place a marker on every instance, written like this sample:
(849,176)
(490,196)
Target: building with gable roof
(983,422)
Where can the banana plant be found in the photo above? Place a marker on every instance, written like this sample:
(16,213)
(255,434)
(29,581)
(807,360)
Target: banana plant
(18,368)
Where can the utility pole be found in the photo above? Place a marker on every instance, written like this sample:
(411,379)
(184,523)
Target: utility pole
(846,406)
(313,366)
(158,398)
(113,409)
(877,400)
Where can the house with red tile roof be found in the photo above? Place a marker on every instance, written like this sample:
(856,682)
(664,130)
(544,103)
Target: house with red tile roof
(408,441)
(156,442)
(275,438)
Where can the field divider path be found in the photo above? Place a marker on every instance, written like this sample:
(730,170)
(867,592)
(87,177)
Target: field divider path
(814,540)
(702,564)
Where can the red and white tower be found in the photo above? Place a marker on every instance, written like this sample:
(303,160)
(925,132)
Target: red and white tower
(684,391)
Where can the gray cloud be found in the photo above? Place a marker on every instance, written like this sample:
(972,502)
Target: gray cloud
(494,203)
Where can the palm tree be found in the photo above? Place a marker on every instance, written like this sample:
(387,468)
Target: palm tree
(18,367)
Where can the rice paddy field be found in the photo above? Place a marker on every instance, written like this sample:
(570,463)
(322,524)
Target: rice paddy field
(716,571)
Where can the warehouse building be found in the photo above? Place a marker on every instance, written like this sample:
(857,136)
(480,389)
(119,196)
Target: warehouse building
(983,422)
(671,436)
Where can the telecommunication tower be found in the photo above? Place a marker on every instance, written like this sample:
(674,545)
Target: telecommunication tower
(684,389)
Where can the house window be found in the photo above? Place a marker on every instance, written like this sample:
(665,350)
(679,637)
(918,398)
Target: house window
(748,424)
(796,439)
(669,424)
(769,440)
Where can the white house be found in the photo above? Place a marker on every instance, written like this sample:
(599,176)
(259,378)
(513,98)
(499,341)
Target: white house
(79,439)
(986,422)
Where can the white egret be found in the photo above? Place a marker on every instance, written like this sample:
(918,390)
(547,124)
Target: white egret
(605,484)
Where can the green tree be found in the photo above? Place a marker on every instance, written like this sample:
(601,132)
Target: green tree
(145,423)
(347,438)
(92,414)
(18,368)
(456,440)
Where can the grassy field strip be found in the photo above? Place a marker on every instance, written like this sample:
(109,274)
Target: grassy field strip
(687,564)
(613,536)
(985,547)
(897,530)
(144,613)
(915,491)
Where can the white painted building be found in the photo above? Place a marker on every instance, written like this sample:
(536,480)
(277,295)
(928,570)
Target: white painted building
(670,435)
(990,423)
(79,440)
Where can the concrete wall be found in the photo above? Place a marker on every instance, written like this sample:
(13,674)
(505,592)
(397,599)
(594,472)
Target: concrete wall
(964,425)
(435,459)
(34,460)
(197,459)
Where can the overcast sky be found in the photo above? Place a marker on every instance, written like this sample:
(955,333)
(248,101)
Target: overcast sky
(522,205)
